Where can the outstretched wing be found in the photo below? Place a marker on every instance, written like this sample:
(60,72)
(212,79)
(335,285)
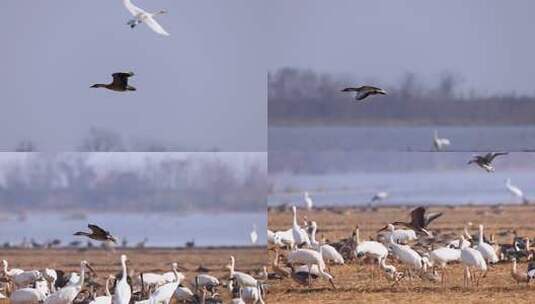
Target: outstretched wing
(362,94)
(350,90)
(121,78)
(97,230)
(417,217)
(134,10)
(431,217)
(155,26)
(494,155)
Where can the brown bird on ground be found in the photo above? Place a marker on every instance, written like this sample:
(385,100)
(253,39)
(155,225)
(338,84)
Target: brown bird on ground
(119,83)
(98,234)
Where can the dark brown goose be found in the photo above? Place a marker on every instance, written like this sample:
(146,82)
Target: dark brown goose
(419,220)
(364,91)
(98,234)
(119,83)
(485,161)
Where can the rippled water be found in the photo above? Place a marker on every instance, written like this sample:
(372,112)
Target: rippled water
(400,138)
(162,230)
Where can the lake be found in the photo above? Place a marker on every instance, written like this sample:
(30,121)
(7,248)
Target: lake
(162,230)
(323,138)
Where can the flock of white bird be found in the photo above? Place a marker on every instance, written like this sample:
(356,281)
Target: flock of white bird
(308,260)
(41,286)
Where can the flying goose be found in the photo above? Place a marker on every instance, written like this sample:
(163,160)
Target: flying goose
(141,16)
(98,234)
(485,161)
(419,220)
(364,91)
(119,83)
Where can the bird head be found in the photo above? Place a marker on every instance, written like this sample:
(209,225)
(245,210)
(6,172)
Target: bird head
(98,85)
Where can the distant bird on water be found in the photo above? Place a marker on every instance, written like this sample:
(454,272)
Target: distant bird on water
(119,83)
(515,191)
(364,91)
(98,234)
(485,161)
(440,143)
(308,201)
(141,16)
(379,196)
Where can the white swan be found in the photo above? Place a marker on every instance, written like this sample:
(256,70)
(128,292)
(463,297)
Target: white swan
(123,293)
(440,143)
(141,16)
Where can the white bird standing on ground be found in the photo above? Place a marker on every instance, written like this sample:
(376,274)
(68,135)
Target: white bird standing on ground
(26,278)
(309,258)
(309,204)
(407,256)
(486,250)
(442,256)
(164,293)
(253,235)
(141,16)
(515,191)
(472,258)
(274,239)
(300,236)
(328,252)
(122,289)
(106,299)
(67,294)
(440,143)
(373,249)
(50,276)
(27,296)
(241,278)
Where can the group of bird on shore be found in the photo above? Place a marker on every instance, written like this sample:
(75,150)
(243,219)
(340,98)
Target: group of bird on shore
(54,286)
(401,251)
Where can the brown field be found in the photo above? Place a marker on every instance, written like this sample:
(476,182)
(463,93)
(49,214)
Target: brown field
(140,260)
(353,280)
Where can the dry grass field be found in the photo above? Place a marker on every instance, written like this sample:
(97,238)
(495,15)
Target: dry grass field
(354,284)
(140,260)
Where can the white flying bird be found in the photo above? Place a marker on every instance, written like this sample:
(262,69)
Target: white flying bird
(141,16)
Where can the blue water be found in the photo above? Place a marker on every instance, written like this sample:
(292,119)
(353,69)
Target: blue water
(323,138)
(421,187)
(162,230)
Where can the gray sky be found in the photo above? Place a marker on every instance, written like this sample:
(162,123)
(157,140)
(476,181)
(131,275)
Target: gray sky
(488,42)
(202,87)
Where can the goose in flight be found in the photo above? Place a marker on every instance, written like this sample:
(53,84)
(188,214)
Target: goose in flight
(141,16)
(364,91)
(98,234)
(485,161)
(440,143)
(419,220)
(119,83)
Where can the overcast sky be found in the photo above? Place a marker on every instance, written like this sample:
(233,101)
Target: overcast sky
(203,87)
(487,42)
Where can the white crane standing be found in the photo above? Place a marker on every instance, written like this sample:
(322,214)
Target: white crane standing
(309,258)
(164,293)
(472,258)
(300,236)
(328,252)
(373,249)
(486,250)
(408,256)
(67,294)
(123,293)
(309,204)
(253,235)
(442,256)
(242,279)
(440,143)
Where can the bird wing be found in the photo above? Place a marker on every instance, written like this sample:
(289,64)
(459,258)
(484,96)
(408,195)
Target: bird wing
(370,88)
(121,78)
(134,10)
(362,94)
(155,26)
(492,156)
(417,217)
(431,217)
(97,230)
(350,90)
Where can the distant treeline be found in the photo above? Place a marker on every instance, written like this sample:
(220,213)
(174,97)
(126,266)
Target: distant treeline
(59,184)
(305,97)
